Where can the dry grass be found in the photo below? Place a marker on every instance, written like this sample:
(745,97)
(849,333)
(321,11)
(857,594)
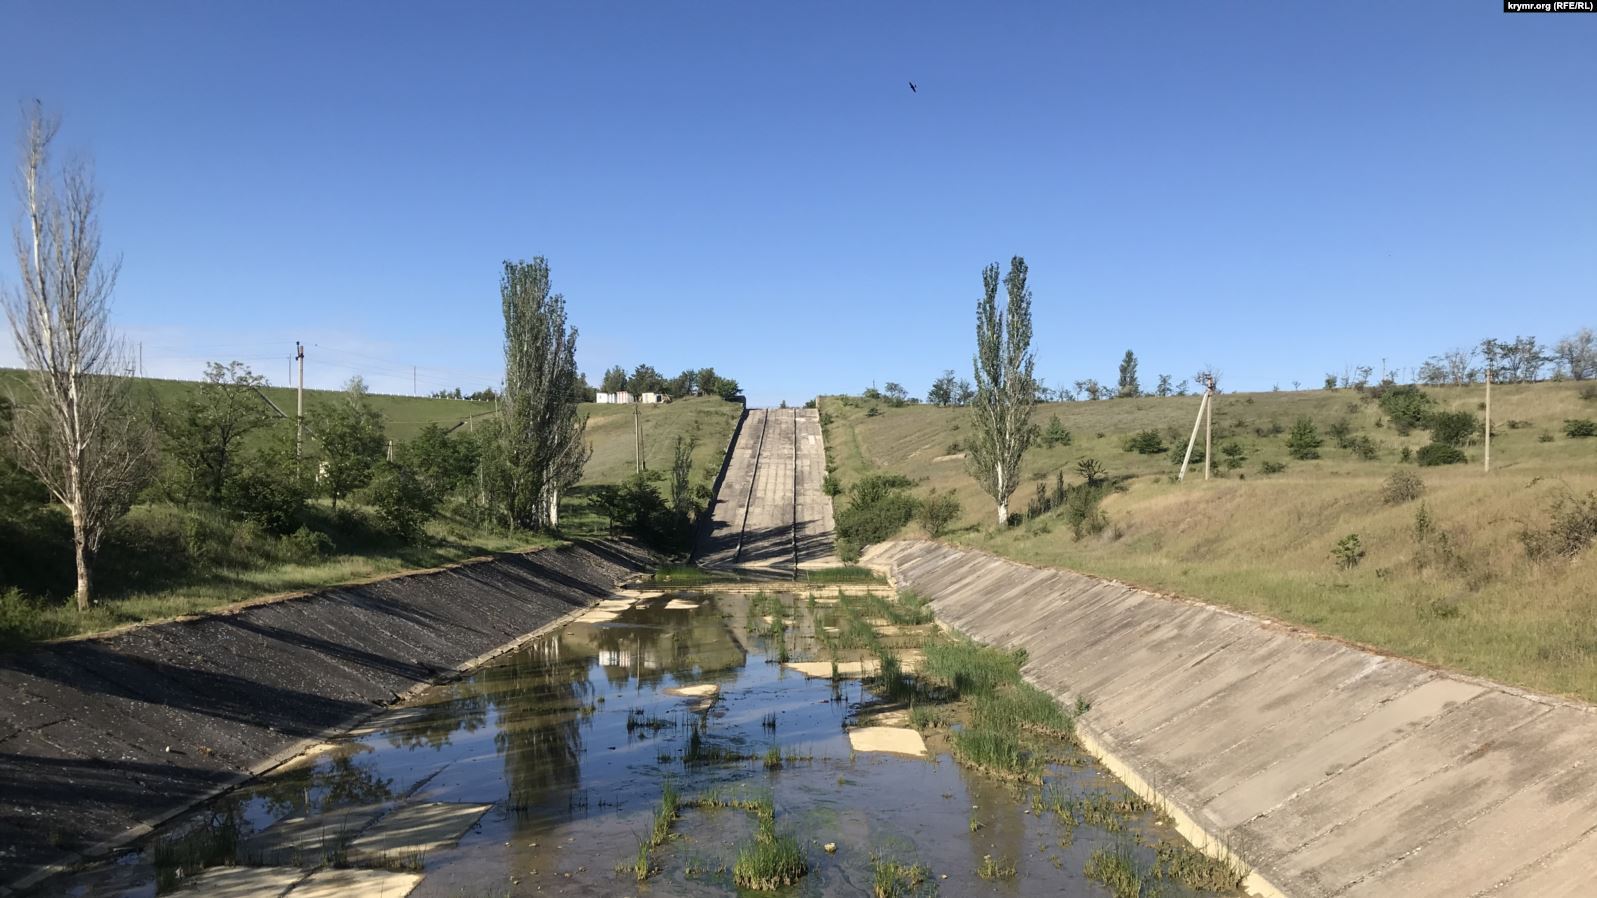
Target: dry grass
(1263,543)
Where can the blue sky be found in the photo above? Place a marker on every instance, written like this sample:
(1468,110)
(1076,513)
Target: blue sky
(1276,189)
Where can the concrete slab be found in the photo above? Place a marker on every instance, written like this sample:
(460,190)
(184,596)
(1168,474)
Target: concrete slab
(414,830)
(851,670)
(243,882)
(893,740)
(308,840)
(1331,771)
(356,884)
(770,515)
(680,605)
(697,690)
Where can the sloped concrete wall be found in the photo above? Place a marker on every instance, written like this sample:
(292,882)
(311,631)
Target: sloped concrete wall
(1330,770)
(101,738)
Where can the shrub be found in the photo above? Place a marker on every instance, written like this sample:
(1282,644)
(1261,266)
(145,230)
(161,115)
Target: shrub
(1234,456)
(1407,406)
(1402,486)
(1406,456)
(1341,432)
(1055,434)
(1363,448)
(1434,454)
(1271,467)
(1145,442)
(1304,441)
(1454,428)
(404,504)
(1092,471)
(268,489)
(872,412)
(1348,552)
(1572,529)
(307,544)
(1589,393)
(878,508)
(831,486)
(1580,427)
(936,512)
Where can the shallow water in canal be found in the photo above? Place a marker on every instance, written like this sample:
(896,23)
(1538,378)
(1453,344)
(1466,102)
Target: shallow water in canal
(539,774)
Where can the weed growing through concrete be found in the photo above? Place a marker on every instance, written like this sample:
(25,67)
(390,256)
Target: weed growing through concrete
(893,879)
(1193,868)
(999,869)
(1119,869)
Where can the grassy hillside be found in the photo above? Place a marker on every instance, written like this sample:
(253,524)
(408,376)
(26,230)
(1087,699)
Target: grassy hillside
(1474,601)
(163,560)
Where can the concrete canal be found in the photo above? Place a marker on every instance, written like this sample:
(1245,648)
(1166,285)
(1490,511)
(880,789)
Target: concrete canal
(832,742)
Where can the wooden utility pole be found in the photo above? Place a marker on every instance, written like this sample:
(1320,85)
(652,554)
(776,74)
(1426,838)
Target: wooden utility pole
(1203,406)
(1488,417)
(299,410)
(1208,426)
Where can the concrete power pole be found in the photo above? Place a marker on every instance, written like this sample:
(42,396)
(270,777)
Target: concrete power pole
(1488,418)
(637,432)
(1203,406)
(1208,427)
(299,409)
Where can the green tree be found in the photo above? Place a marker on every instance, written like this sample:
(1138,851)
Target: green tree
(936,512)
(1454,428)
(541,447)
(1055,434)
(1304,442)
(1129,387)
(269,487)
(1006,387)
(404,504)
(645,379)
(203,434)
(1145,442)
(942,392)
(349,433)
(727,389)
(1164,388)
(682,475)
(614,381)
(444,463)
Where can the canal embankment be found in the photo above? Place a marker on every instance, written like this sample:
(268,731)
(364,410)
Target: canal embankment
(103,738)
(1328,769)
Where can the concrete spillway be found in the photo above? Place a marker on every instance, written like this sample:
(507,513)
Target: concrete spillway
(770,514)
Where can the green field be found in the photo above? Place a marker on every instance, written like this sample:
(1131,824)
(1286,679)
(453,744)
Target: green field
(1262,543)
(164,560)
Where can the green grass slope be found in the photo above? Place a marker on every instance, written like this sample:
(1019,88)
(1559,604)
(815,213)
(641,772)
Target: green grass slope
(1262,543)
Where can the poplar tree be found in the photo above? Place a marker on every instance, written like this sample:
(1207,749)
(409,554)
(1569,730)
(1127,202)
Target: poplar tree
(1129,387)
(541,449)
(1006,390)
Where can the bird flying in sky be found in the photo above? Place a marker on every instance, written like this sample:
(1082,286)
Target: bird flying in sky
(913,89)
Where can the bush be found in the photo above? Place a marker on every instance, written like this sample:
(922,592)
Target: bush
(1055,434)
(1434,454)
(1580,427)
(1363,448)
(1572,529)
(403,503)
(1407,406)
(1589,393)
(936,512)
(1271,467)
(268,488)
(831,486)
(1402,486)
(878,508)
(1348,552)
(307,544)
(1304,441)
(1145,442)
(1234,456)
(1544,437)
(1454,428)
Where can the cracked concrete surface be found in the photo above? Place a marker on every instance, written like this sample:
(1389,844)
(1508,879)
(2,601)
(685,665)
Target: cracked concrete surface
(105,737)
(1332,771)
(770,515)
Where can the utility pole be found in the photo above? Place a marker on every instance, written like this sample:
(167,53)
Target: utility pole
(412,380)
(637,432)
(1203,406)
(299,410)
(1208,426)
(1488,417)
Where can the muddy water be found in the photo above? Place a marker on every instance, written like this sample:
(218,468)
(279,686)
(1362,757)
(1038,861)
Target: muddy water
(539,774)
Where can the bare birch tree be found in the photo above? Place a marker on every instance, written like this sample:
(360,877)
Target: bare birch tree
(1006,390)
(74,428)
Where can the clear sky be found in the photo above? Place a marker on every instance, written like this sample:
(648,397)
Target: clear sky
(1276,189)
